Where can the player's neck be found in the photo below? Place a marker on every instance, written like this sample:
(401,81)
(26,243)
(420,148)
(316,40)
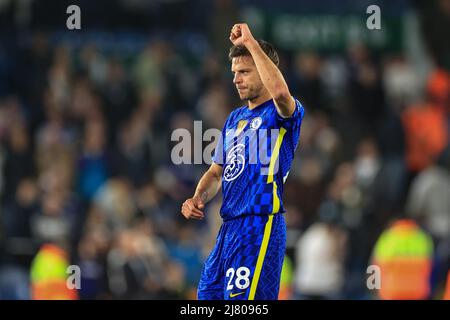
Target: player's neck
(252,104)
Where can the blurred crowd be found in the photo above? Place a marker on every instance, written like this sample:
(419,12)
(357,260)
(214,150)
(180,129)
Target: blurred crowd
(85,143)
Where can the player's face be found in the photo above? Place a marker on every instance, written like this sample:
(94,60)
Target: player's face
(246,78)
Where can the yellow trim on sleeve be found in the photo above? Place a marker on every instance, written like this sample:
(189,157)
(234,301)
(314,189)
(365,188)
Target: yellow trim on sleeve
(275,153)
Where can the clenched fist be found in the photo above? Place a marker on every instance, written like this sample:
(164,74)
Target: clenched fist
(240,34)
(191,208)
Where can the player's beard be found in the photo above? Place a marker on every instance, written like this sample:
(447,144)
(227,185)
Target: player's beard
(251,94)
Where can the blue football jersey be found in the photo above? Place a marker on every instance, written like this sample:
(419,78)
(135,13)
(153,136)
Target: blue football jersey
(256,150)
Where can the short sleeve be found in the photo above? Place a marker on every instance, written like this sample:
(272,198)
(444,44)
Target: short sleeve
(295,120)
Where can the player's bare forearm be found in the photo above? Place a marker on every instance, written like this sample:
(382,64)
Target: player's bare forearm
(209,184)
(270,75)
(207,188)
(272,79)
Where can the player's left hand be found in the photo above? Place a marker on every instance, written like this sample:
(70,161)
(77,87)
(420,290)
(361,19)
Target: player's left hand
(240,35)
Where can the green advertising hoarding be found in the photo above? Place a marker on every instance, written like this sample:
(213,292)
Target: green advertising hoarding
(328,32)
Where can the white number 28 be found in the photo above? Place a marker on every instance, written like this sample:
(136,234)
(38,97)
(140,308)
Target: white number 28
(242,281)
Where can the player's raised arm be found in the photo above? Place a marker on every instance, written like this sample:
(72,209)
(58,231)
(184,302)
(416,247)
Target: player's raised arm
(207,188)
(270,75)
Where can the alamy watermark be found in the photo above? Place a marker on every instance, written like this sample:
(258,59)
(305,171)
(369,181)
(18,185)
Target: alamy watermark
(373,281)
(373,22)
(74,20)
(234,149)
(73,281)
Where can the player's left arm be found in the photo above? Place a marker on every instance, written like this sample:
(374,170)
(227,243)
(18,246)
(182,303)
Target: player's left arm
(271,76)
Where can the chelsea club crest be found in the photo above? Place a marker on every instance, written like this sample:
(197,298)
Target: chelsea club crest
(255,123)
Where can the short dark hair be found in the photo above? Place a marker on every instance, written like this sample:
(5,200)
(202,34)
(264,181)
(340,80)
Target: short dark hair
(269,50)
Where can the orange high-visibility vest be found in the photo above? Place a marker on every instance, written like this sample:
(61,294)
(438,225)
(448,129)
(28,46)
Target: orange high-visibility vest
(49,275)
(404,254)
(447,288)
(286,289)
(425,135)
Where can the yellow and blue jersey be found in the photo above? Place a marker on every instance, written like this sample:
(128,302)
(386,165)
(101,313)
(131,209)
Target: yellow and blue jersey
(256,150)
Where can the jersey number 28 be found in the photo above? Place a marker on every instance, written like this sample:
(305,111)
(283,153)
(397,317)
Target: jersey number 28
(242,278)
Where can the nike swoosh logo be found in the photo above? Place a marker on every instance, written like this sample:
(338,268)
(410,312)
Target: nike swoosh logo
(232,295)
